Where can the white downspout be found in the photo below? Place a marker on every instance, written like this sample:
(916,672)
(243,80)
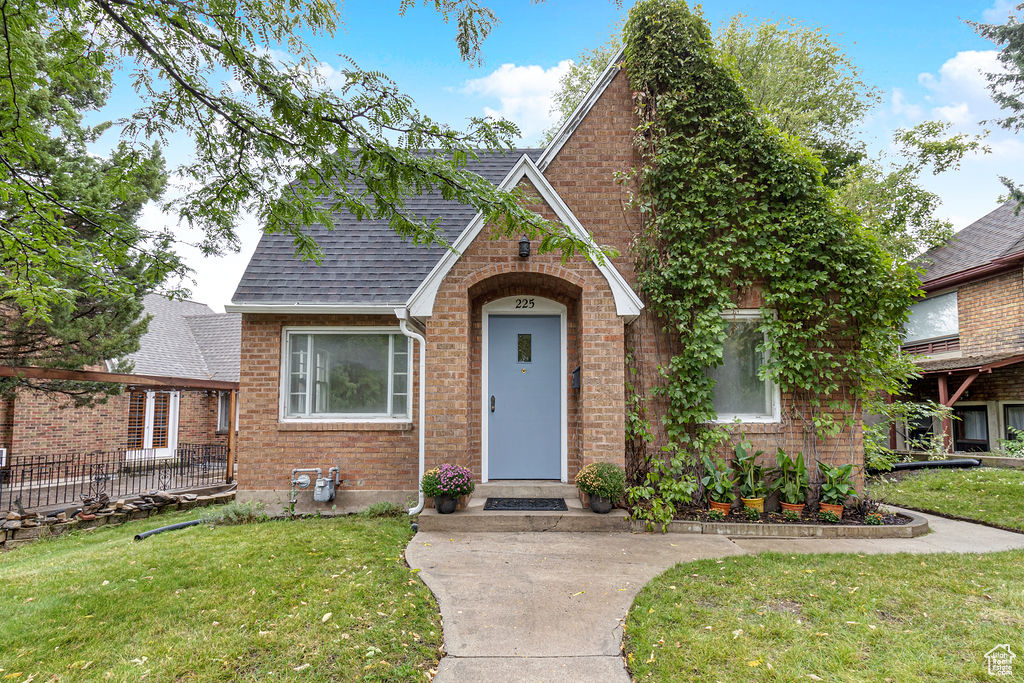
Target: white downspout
(403,314)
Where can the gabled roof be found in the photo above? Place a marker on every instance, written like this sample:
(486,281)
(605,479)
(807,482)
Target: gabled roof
(990,239)
(365,264)
(582,109)
(421,303)
(187,339)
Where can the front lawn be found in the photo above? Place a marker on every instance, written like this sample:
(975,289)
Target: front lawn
(986,494)
(325,599)
(827,617)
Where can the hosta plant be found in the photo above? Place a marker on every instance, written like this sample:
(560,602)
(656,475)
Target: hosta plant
(837,485)
(792,478)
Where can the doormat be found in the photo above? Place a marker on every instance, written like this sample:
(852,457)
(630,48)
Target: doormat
(526,504)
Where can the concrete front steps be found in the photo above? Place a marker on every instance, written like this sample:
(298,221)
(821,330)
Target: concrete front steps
(475,518)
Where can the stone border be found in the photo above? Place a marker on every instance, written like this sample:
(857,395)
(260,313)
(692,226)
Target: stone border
(918,526)
(1000,461)
(14,533)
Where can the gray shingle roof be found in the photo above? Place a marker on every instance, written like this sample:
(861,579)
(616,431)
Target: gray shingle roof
(364,262)
(187,339)
(999,233)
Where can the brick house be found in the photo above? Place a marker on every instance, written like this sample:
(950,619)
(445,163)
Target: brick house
(185,340)
(491,356)
(970,331)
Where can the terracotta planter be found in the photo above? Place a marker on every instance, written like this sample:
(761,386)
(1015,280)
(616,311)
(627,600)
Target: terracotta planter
(754,503)
(724,508)
(836,510)
(798,508)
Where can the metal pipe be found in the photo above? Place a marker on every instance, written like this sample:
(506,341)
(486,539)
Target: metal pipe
(403,314)
(170,527)
(319,473)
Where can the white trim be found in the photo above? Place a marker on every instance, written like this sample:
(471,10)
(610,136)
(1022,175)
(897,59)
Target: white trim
(296,308)
(421,303)
(771,388)
(149,412)
(581,111)
(285,369)
(507,306)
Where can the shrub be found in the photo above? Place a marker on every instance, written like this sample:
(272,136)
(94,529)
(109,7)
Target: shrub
(838,483)
(249,512)
(602,479)
(1014,446)
(716,515)
(751,514)
(717,480)
(790,516)
(828,517)
(383,509)
(447,480)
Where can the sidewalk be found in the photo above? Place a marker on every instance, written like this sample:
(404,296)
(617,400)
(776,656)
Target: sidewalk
(549,606)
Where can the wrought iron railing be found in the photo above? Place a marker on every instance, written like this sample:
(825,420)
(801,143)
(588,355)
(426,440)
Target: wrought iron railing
(46,481)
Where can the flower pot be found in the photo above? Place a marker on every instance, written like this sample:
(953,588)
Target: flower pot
(724,508)
(798,508)
(836,510)
(445,505)
(601,505)
(754,503)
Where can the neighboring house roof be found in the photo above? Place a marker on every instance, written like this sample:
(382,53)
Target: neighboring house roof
(987,241)
(187,339)
(364,262)
(980,363)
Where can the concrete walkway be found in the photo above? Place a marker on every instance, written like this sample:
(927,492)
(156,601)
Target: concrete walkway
(549,606)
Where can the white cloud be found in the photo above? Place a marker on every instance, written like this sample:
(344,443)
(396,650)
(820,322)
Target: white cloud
(958,114)
(900,106)
(997,13)
(524,92)
(962,78)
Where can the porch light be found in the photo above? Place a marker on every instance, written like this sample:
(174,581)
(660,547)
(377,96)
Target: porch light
(524,247)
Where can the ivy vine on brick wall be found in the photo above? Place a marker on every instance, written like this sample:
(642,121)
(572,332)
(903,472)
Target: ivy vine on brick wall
(730,203)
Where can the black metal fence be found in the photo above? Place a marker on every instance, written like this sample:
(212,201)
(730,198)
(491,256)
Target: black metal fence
(42,481)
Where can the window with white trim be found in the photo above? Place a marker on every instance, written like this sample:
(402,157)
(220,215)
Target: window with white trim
(347,374)
(739,393)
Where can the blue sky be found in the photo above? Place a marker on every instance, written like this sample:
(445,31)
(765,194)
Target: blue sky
(924,58)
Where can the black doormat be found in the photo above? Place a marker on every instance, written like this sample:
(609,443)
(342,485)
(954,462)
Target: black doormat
(529,504)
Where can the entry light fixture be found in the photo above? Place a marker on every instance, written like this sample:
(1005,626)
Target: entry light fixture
(524,247)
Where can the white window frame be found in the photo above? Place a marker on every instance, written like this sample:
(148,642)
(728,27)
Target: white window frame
(220,412)
(285,376)
(149,418)
(771,389)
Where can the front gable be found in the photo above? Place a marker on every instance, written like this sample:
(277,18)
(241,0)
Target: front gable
(627,303)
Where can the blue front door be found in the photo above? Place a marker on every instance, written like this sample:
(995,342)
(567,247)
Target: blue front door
(524,408)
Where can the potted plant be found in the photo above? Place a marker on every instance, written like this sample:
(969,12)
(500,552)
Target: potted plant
(792,481)
(753,486)
(445,484)
(604,483)
(836,487)
(718,484)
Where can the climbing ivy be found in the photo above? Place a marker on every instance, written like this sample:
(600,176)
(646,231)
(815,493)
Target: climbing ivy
(731,205)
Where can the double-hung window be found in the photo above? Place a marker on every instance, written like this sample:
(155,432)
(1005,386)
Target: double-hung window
(346,374)
(739,393)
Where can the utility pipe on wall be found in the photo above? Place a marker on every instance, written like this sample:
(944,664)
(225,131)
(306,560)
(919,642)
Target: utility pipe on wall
(403,314)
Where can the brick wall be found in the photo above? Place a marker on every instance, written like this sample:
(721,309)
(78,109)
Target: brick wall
(6,422)
(583,173)
(992,315)
(371,456)
(490,269)
(44,424)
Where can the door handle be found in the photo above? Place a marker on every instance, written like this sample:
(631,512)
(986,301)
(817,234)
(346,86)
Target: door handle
(492,403)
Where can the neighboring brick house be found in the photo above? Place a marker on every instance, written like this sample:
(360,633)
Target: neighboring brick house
(185,340)
(525,356)
(970,330)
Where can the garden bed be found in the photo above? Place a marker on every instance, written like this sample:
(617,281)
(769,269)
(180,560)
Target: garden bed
(773,525)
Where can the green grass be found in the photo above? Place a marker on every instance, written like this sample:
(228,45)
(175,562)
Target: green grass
(985,494)
(225,603)
(834,617)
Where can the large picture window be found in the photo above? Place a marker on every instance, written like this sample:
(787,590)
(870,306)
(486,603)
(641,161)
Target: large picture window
(933,318)
(346,374)
(739,393)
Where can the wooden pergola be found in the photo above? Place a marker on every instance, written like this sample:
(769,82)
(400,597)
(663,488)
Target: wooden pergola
(151,382)
(972,368)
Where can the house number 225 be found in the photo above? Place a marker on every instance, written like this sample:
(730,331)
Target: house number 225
(525,303)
